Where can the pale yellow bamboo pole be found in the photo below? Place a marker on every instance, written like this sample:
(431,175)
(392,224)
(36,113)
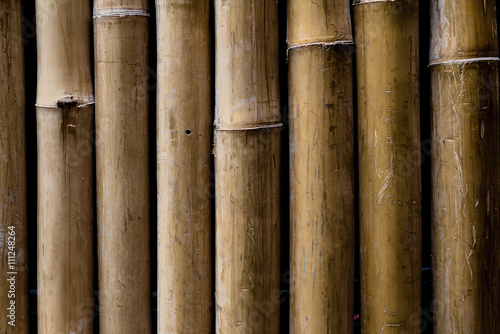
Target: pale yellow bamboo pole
(466,170)
(65,116)
(13,224)
(184,133)
(121,60)
(321,166)
(247,163)
(387,53)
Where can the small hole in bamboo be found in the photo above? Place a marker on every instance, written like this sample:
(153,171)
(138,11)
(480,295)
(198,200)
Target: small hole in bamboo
(188,132)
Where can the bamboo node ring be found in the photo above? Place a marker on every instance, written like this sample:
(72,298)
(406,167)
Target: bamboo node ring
(119,12)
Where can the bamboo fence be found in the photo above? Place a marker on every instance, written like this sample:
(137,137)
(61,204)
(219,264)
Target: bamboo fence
(352,110)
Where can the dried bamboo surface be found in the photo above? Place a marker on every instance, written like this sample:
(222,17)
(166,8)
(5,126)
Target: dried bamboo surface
(184,142)
(247,163)
(466,156)
(65,115)
(13,224)
(466,172)
(247,78)
(248,231)
(321,166)
(121,60)
(463,29)
(322,189)
(389,164)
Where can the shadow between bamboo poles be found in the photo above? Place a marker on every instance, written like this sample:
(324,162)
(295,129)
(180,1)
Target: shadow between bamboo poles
(247,148)
(321,166)
(121,54)
(184,139)
(466,172)
(387,50)
(13,223)
(65,117)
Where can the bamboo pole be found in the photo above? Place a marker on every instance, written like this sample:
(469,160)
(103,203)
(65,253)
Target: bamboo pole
(466,157)
(184,134)
(65,115)
(121,58)
(321,167)
(389,164)
(247,163)
(13,224)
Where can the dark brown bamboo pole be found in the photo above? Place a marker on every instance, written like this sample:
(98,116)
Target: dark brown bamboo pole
(65,117)
(121,60)
(466,170)
(13,224)
(321,166)
(387,52)
(247,163)
(184,142)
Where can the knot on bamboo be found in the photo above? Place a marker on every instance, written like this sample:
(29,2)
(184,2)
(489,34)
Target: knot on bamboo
(67,102)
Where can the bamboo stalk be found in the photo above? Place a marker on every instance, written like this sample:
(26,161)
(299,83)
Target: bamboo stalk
(466,154)
(389,164)
(13,224)
(247,146)
(321,167)
(121,58)
(65,115)
(184,133)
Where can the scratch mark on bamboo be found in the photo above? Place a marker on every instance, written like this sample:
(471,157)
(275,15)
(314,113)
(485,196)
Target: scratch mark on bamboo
(462,186)
(251,232)
(401,324)
(375,145)
(471,250)
(387,180)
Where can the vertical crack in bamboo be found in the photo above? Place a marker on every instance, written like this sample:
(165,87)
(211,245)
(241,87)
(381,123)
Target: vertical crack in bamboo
(13,224)
(247,146)
(65,117)
(466,159)
(321,166)
(387,52)
(121,67)
(185,194)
